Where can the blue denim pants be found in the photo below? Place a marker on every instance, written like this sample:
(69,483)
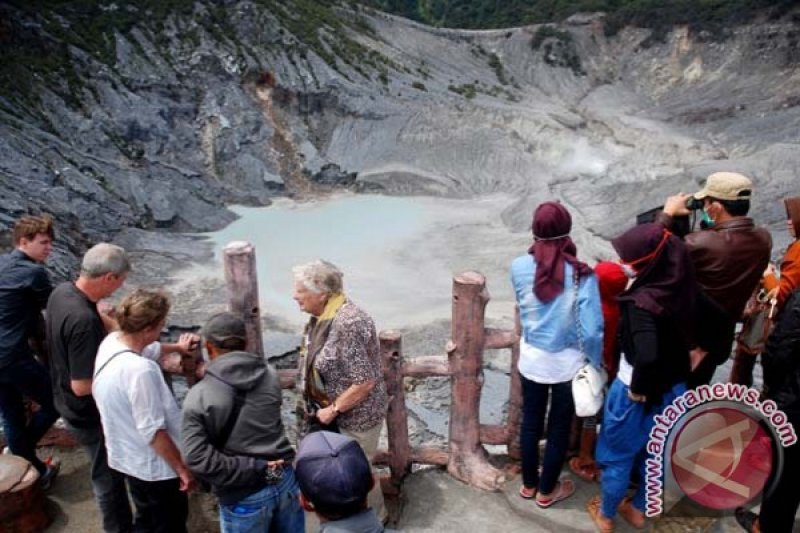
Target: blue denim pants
(26,378)
(274,508)
(622,443)
(559,419)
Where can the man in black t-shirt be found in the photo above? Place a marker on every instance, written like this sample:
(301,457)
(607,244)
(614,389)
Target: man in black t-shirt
(24,289)
(75,329)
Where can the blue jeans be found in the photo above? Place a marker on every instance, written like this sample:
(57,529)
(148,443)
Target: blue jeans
(534,407)
(26,378)
(622,443)
(274,508)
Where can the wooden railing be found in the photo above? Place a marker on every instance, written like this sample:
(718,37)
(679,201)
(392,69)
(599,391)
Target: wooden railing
(464,455)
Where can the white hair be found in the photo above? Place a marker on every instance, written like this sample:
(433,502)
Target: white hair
(319,277)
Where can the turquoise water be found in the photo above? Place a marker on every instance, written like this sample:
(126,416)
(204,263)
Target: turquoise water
(398,254)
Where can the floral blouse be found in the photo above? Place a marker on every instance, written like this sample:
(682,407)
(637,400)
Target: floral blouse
(351,356)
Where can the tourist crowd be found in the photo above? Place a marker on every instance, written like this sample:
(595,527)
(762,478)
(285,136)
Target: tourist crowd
(657,321)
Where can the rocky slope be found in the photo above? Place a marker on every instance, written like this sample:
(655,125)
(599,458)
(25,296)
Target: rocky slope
(241,101)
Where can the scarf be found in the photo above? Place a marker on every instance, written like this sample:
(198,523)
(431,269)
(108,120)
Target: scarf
(551,248)
(665,282)
(316,334)
(611,281)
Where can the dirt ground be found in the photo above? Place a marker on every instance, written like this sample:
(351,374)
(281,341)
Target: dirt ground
(431,502)
(71,505)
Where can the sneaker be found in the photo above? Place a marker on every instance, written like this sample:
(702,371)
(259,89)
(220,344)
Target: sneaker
(46,479)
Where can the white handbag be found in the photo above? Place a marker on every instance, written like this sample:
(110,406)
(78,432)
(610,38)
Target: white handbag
(588,385)
(587,390)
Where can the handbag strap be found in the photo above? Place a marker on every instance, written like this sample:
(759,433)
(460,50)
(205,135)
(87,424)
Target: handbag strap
(576,312)
(97,372)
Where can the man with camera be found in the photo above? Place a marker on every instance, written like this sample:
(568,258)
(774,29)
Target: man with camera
(729,254)
(233,436)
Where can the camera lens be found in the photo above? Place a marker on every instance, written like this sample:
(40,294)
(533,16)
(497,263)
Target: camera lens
(693,204)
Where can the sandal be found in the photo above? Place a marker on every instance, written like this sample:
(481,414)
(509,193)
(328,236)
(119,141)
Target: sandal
(564,489)
(747,519)
(585,471)
(631,514)
(526,493)
(593,508)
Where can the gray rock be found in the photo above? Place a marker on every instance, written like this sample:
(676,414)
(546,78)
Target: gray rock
(187,120)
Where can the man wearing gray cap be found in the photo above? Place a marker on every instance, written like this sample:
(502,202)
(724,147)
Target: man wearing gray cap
(233,436)
(729,257)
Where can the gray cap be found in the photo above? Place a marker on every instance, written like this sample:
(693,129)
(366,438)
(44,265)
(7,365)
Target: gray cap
(225,329)
(332,471)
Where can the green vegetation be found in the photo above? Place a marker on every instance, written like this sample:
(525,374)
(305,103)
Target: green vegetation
(467,90)
(39,39)
(471,90)
(499,70)
(418,85)
(558,48)
(711,15)
(546,32)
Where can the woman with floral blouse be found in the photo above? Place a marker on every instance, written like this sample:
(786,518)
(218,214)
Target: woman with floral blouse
(343,387)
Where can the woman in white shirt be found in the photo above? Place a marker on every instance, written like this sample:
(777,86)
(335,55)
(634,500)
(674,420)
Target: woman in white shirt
(140,418)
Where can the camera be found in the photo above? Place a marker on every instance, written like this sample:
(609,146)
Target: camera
(693,204)
(681,225)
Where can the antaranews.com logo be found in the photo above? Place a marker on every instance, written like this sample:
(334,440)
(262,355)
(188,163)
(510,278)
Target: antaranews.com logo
(719,445)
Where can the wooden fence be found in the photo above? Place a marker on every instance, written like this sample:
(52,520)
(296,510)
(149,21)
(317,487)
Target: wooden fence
(464,456)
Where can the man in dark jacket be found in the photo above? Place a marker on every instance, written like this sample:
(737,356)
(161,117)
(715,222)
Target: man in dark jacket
(729,258)
(233,436)
(24,289)
(781,362)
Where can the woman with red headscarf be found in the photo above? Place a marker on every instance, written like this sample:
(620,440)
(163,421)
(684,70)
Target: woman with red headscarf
(557,295)
(655,330)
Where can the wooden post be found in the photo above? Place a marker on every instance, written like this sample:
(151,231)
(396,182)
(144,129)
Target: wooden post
(515,395)
(468,460)
(242,282)
(22,502)
(396,416)
(426,366)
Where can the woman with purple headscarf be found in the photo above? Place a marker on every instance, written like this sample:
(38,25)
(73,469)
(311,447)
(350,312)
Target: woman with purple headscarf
(654,333)
(557,294)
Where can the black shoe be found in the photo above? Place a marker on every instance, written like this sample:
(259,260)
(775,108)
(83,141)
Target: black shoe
(746,519)
(46,479)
